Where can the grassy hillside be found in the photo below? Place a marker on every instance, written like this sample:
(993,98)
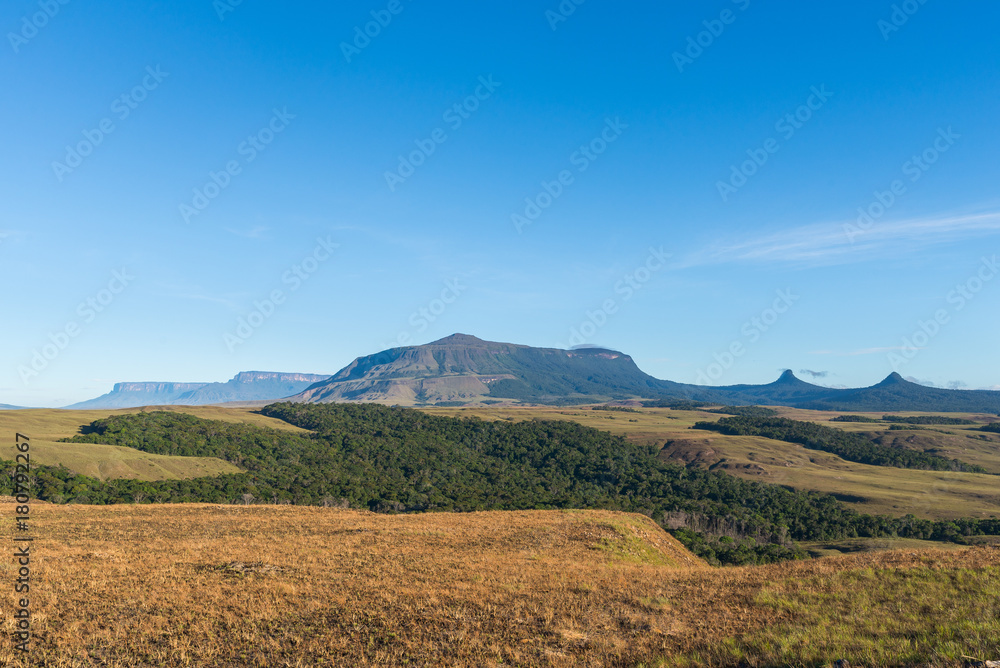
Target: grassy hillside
(835,548)
(401,460)
(869,489)
(55,423)
(872,489)
(110,462)
(852,447)
(897,609)
(287,586)
(46,427)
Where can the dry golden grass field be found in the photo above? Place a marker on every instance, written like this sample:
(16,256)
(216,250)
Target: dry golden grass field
(204,585)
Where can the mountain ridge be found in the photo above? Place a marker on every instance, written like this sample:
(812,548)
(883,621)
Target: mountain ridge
(464,369)
(244,386)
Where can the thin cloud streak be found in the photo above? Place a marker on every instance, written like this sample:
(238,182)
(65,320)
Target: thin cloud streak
(843,243)
(256,232)
(863,351)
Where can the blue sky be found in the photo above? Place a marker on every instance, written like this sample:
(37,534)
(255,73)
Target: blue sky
(192,189)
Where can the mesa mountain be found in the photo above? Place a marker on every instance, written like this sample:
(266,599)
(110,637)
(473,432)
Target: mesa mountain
(244,386)
(464,370)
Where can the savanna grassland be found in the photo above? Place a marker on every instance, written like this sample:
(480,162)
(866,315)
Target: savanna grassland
(241,583)
(208,585)
(870,489)
(105,462)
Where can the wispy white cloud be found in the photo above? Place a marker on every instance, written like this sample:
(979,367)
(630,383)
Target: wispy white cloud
(863,351)
(198,293)
(8,234)
(845,242)
(255,232)
(228,303)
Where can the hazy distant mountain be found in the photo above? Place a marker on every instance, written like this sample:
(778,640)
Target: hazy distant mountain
(245,386)
(8,407)
(130,395)
(786,391)
(463,369)
(252,386)
(895,393)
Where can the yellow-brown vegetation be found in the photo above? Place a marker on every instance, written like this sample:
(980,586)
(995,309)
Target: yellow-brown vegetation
(206,585)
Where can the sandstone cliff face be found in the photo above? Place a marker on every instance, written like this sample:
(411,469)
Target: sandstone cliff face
(245,386)
(157,388)
(262,376)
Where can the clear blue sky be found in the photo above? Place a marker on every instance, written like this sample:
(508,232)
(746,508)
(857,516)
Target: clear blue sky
(617,111)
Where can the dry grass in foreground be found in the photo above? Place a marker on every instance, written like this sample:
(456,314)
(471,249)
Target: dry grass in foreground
(205,585)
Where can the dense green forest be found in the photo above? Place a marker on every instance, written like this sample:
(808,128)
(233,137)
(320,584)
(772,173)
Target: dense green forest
(927,419)
(853,418)
(745,411)
(676,404)
(846,445)
(993,427)
(401,460)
